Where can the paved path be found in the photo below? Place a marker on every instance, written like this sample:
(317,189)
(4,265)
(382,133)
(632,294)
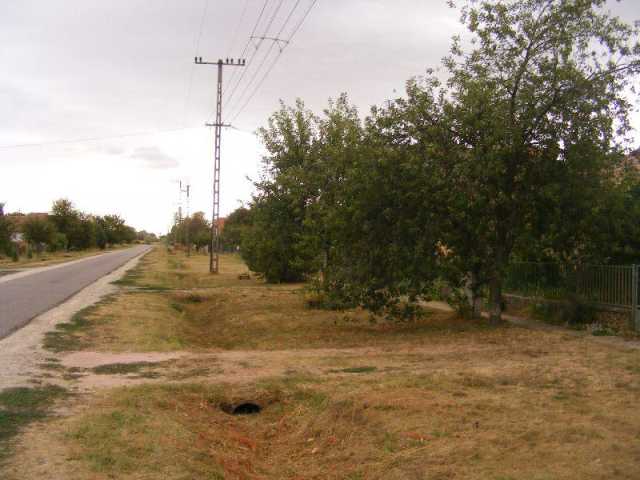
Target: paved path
(26,295)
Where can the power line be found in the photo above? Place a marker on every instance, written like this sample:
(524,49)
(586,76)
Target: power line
(246,45)
(275,61)
(274,41)
(95,139)
(259,44)
(235,34)
(197,48)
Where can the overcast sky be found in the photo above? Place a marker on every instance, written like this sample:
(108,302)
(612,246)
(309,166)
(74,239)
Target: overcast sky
(80,69)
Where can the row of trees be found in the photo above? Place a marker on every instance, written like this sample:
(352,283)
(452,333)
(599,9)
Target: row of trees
(196,230)
(65,228)
(519,154)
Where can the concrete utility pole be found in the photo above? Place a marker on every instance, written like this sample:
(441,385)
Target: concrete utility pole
(215,227)
(186,232)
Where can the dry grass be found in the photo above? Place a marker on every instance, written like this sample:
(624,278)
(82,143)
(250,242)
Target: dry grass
(192,309)
(495,421)
(52,258)
(162,270)
(243,318)
(442,398)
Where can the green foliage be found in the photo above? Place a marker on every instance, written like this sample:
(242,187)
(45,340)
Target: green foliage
(533,116)
(195,229)
(456,179)
(63,215)
(6,230)
(39,231)
(83,231)
(21,406)
(116,230)
(574,312)
(101,236)
(273,244)
(234,227)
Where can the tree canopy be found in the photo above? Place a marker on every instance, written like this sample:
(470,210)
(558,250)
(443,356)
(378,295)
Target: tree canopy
(502,160)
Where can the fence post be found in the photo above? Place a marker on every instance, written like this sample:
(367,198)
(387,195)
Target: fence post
(634,297)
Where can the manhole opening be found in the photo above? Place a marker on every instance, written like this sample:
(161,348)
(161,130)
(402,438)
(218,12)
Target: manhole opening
(246,408)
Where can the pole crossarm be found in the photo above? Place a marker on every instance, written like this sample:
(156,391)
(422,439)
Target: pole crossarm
(282,43)
(214,260)
(229,62)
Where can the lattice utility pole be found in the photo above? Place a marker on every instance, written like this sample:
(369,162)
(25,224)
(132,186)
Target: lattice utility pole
(214,259)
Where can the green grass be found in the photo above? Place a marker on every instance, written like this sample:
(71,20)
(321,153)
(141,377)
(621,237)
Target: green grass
(355,370)
(21,406)
(65,337)
(125,368)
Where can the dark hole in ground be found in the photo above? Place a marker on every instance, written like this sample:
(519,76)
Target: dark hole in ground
(246,408)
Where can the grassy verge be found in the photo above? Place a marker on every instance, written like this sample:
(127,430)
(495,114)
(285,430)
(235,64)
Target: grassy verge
(163,270)
(21,406)
(452,424)
(70,336)
(340,397)
(53,258)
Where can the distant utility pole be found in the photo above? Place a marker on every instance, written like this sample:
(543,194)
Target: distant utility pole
(186,232)
(214,260)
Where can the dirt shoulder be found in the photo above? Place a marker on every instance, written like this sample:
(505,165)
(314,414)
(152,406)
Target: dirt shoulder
(21,353)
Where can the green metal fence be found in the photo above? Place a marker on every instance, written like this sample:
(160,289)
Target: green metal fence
(608,286)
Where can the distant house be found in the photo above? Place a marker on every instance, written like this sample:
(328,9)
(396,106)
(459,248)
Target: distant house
(18,219)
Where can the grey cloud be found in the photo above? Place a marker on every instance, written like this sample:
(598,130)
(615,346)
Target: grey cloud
(155,158)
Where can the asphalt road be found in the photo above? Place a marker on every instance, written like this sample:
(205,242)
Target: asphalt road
(26,297)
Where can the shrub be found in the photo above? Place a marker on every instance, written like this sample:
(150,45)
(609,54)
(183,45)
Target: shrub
(573,312)
(577,312)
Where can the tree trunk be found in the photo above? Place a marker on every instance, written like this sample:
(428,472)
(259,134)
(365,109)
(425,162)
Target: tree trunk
(325,265)
(471,291)
(495,299)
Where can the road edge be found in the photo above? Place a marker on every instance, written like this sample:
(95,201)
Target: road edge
(21,351)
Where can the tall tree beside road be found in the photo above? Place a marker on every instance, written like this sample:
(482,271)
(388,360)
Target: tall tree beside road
(235,226)
(272,245)
(39,231)
(531,118)
(64,215)
(457,178)
(6,230)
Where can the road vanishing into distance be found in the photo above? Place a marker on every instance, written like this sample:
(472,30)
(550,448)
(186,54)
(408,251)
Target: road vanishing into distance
(28,295)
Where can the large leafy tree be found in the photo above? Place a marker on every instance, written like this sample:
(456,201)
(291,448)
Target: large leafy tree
(236,223)
(273,243)
(6,230)
(64,215)
(527,129)
(39,231)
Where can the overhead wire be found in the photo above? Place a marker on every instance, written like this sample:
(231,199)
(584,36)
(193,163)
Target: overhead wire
(95,139)
(275,40)
(257,48)
(275,61)
(237,29)
(186,109)
(246,45)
